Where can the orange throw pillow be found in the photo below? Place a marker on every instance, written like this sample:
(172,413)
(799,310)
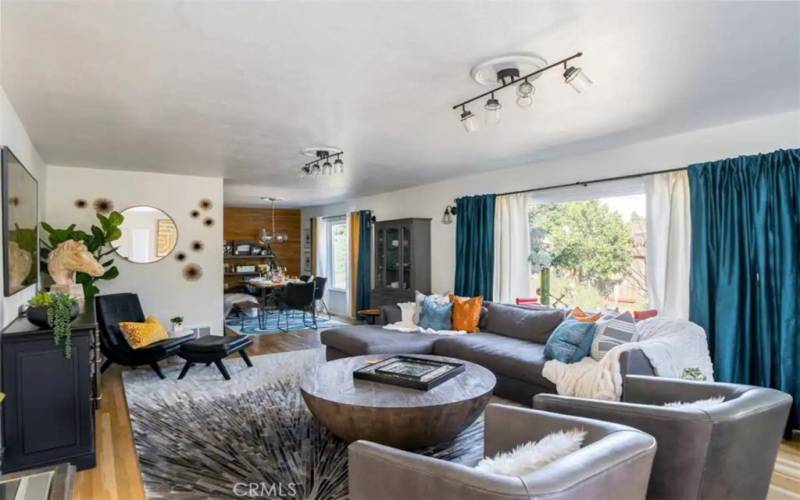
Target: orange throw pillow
(578,315)
(466,313)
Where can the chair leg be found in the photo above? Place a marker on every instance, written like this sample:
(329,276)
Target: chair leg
(222,369)
(106,365)
(246,358)
(314,317)
(157,369)
(185,370)
(326,308)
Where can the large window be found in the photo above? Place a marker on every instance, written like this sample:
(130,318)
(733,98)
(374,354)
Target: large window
(588,247)
(337,253)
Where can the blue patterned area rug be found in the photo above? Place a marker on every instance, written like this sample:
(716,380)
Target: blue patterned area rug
(200,437)
(251,326)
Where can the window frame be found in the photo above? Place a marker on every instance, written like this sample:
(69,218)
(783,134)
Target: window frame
(331,223)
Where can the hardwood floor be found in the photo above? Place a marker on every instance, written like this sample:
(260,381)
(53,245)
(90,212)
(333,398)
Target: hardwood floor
(117,474)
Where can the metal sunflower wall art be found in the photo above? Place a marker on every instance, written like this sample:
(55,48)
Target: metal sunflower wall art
(192,272)
(103,205)
(81,203)
(208,222)
(197,246)
(195,214)
(206,204)
(180,256)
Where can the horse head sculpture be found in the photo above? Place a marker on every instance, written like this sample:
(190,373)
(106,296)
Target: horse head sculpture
(70,257)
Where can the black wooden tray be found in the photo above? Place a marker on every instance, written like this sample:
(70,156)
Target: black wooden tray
(369,373)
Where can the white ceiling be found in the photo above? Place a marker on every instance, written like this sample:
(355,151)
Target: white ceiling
(237,89)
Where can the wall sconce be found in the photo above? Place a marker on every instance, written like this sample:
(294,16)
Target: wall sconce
(449,212)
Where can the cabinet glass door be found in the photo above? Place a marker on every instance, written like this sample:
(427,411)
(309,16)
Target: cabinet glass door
(406,257)
(393,254)
(380,272)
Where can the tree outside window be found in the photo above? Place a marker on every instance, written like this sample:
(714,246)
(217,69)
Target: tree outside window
(590,253)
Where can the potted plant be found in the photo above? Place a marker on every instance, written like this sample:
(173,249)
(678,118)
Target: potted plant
(55,311)
(177,323)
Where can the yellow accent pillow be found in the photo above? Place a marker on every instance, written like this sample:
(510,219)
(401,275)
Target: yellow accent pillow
(466,313)
(140,335)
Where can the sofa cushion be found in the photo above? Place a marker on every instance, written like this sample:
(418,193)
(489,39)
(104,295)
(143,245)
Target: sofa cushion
(570,342)
(372,339)
(506,356)
(522,322)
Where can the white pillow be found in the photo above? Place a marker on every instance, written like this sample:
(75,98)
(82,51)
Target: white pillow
(533,455)
(701,404)
(407,311)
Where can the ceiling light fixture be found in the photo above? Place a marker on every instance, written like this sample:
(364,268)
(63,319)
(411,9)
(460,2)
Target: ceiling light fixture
(576,78)
(468,120)
(492,108)
(324,156)
(510,75)
(525,93)
(266,237)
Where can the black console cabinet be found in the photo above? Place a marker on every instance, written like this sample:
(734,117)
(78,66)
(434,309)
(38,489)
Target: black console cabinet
(402,260)
(48,413)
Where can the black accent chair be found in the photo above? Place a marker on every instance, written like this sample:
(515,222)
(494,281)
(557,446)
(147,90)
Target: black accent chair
(320,293)
(304,278)
(297,297)
(118,307)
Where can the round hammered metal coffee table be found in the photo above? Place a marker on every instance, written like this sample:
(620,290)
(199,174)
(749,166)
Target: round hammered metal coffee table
(395,416)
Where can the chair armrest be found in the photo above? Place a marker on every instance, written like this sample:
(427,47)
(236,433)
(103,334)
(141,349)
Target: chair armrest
(658,390)
(377,471)
(390,314)
(634,362)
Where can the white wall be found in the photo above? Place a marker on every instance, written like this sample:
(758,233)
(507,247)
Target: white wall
(753,136)
(161,286)
(13,135)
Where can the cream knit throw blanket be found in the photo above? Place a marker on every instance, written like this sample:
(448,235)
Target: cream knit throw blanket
(671,345)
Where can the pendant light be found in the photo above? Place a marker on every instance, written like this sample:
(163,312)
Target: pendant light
(576,78)
(266,237)
(492,108)
(525,94)
(469,121)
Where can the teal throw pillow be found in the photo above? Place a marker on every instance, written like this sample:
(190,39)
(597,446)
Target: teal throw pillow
(570,342)
(436,315)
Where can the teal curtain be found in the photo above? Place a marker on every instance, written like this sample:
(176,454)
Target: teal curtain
(364,259)
(475,246)
(745,274)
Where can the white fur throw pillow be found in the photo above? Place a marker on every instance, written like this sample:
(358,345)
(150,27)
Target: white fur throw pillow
(701,404)
(533,455)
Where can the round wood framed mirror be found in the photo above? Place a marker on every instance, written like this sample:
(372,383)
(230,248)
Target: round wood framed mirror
(148,235)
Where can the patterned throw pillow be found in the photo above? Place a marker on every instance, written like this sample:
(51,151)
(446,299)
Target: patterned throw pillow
(420,297)
(466,313)
(570,342)
(140,335)
(435,315)
(613,330)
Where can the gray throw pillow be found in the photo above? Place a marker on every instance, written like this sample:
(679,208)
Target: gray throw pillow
(613,330)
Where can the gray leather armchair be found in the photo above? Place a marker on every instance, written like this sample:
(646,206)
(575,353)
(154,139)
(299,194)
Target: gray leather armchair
(727,451)
(614,462)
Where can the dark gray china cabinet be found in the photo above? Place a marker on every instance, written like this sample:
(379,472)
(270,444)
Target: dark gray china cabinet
(402,260)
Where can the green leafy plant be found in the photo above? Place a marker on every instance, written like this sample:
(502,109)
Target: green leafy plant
(693,374)
(98,241)
(59,316)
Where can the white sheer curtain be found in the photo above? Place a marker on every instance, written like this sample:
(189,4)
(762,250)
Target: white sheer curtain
(669,229)
(511,248)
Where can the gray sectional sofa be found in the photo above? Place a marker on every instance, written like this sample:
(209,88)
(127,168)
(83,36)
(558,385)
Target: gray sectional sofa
(510,344)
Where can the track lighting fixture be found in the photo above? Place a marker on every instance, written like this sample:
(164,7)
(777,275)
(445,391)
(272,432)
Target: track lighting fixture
(492,108)
(314,169)
(576,78)
(468,120)
(508,76)
(525,94)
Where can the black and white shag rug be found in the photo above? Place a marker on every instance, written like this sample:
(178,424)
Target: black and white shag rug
(203,437)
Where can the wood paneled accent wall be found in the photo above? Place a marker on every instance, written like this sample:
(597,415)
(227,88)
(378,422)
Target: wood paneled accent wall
(243,224)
